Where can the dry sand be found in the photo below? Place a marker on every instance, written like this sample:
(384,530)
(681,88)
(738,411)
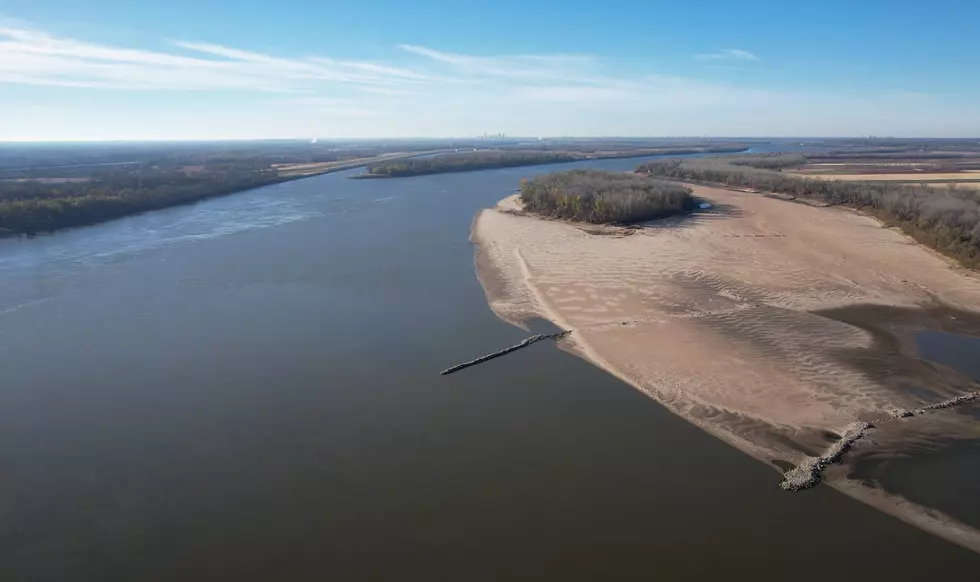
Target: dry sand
(773,325)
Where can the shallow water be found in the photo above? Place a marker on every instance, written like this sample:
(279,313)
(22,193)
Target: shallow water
(960,352)
(247,389)
(944,475)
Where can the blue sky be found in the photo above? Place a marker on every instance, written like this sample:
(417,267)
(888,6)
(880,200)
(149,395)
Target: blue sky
(202,69)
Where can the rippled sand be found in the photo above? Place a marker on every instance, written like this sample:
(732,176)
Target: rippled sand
(746,320)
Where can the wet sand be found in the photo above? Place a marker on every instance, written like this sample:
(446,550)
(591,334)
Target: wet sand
(775,326)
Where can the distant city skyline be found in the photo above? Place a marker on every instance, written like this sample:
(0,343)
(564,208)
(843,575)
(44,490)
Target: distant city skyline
(106,70)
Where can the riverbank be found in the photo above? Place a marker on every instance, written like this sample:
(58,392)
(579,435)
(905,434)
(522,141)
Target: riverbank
(83,202)
(751,320)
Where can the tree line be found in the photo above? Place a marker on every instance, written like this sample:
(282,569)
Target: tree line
(46,187)
(30,207)
(603,197)
(533,156)
(462,162)
(768,161)
(946,220)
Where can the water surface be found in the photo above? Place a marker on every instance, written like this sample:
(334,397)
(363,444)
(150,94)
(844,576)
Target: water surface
(958,351)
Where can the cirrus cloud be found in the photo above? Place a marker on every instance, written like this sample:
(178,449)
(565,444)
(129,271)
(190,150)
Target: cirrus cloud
(732,54)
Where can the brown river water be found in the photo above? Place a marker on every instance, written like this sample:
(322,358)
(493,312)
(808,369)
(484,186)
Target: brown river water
(247,389)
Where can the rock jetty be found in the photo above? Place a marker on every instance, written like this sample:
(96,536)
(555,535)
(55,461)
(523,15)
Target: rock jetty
(937,406)
(526,342)
(807,473)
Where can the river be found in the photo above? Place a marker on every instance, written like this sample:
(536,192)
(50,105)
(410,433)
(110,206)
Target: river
(247,389)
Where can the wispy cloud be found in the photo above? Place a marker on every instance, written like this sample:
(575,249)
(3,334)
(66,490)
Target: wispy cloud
(34,57)
(578,68)
(732,54)
(30,56)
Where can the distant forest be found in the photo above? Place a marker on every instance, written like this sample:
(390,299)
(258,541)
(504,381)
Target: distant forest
(603,197)
(463,162)
(46,187)
(946,220)
(31,207)
(489,159)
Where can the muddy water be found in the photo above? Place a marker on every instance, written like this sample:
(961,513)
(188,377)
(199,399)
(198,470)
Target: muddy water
(247,389)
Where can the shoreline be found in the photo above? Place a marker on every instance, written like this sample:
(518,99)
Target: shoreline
(288,176)
(522,281)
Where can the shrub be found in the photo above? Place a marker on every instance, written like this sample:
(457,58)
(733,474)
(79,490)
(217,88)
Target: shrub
(468,161)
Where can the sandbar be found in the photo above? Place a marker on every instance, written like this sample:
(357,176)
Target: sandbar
(773,325)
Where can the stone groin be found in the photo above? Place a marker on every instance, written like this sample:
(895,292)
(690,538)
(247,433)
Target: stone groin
(937,406)
(807,473)
(526,342)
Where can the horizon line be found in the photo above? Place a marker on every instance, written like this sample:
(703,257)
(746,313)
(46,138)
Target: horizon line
(451,137)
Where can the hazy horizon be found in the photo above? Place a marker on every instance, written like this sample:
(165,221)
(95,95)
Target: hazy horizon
(328,139)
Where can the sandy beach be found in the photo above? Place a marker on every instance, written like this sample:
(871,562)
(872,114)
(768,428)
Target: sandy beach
(773,325)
